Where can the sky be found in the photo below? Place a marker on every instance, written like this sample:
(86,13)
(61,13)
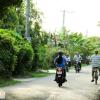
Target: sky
(80,15)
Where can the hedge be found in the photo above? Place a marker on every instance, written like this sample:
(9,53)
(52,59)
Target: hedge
(12,49)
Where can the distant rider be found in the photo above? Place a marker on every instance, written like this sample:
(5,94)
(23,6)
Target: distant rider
(68,60)
(78,58)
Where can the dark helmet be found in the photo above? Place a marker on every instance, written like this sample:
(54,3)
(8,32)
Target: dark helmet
(60,53)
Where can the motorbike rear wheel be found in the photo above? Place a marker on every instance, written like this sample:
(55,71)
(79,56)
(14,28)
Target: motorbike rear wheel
(67,69)
(59,84)
(77,68)
(96,76)
(96,79)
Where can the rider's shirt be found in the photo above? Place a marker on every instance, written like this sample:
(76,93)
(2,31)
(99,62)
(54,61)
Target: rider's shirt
(66,58)
(77,58)
(95,60)
(62,65)
(69,59)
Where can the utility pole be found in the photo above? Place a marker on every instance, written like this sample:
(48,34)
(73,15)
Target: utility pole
(27,19)
(64,16)
(63,24)
(86,33)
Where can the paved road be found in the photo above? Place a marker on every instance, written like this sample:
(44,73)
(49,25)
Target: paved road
(78,87)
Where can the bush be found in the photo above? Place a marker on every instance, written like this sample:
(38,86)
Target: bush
(16,54)
(7,55)
(46,56)
(24,60)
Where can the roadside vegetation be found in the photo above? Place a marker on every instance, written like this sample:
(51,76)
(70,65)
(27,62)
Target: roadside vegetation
(19,56)
(7,82)
(4,82)
(40,74)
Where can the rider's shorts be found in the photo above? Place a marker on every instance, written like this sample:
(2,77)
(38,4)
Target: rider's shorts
(94,68)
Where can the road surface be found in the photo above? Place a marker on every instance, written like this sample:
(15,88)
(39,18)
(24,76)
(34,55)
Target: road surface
(78,87)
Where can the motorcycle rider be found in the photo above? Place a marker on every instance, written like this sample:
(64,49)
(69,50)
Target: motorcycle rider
(60,61)
(78,58)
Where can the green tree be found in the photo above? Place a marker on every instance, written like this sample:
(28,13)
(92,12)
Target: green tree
(35,44)
(14,19)
(20,28)
(5,4)
(10,20)
(95,41)
(35,31)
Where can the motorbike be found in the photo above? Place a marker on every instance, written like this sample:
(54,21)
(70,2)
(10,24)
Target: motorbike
(60,79)
(77,67)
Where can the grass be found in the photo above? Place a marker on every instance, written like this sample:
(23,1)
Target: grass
(84,65)
(7,82)
(4,83)
(40,74)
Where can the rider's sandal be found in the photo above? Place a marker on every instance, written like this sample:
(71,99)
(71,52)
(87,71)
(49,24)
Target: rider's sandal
(65,80)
